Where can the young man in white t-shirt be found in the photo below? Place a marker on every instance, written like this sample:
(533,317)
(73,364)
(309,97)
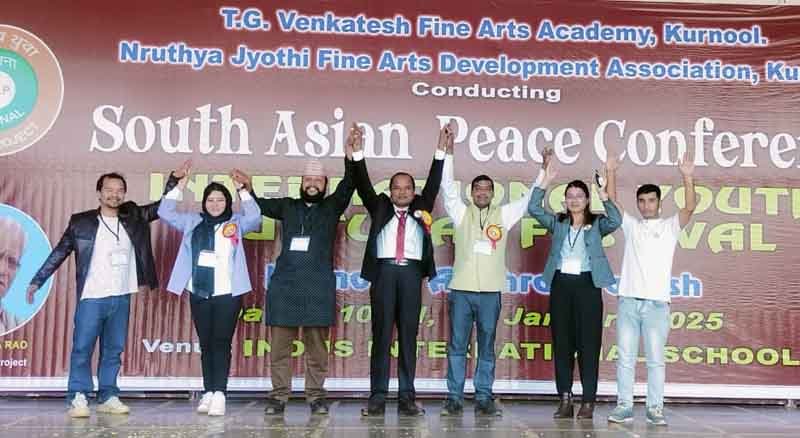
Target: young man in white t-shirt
(644,290)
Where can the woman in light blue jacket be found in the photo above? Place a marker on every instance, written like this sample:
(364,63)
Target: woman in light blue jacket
(576,271)
(211,265)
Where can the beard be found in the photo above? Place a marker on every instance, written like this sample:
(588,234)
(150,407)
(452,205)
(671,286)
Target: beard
(111,202)
(312,199)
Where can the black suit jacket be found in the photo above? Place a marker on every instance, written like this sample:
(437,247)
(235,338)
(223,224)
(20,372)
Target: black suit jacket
(80,234)
(381,210)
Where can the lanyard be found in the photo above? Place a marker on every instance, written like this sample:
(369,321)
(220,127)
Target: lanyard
(116,235)
(483,220)
(573,242)
(304,217)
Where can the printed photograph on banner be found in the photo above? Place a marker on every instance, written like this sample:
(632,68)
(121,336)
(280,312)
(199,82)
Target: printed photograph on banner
(23,248)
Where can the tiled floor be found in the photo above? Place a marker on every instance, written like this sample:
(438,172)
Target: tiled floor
(176,418)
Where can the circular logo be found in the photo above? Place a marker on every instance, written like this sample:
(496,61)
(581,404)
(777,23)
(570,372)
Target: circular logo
(31,89)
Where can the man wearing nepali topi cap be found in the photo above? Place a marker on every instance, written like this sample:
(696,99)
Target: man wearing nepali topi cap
(302,289)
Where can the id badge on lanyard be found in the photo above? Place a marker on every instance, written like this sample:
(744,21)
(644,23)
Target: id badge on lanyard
(300,243)
(119,257)
(207,259)
(571,266)
(483,247)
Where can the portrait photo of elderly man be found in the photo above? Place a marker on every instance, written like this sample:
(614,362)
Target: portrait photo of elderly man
(12,243)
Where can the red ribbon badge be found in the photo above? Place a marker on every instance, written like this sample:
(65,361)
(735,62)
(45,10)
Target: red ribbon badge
(230,231)
(426,219)
(494,233)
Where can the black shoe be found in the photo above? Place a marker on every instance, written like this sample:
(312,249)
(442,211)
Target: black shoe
(487,408)
(374,409)
(319,407)
(409,408)
(452,408)
(274,407)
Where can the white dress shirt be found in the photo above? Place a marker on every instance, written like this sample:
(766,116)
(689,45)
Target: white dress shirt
(387,237)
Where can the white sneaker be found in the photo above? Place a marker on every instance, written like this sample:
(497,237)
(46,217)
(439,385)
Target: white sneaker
(217,406)
(205,402)
(79,407)
(113,406)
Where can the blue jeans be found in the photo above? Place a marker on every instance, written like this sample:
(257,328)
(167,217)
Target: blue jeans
(465,309)
(651,320)
(107,319)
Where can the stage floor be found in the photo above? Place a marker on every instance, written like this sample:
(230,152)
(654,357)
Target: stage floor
(175,418)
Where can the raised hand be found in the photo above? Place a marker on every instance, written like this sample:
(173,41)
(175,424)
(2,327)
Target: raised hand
(686,165)
(547,157)
(183,182)
(550,173)
(31,292)
(603,193)
(612,162)
(354,142)
(241,179)
(451,136)
(183,170)
(447,137)
(608,181)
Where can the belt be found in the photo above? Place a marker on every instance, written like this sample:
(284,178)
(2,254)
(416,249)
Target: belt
(558,272)
(403,262)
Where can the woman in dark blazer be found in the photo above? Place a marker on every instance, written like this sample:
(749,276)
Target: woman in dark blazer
(576,270)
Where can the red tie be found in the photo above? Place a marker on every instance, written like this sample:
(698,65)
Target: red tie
(400,246)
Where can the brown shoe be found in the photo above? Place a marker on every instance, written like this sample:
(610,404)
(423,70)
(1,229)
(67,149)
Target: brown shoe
(586,411)
(565,409)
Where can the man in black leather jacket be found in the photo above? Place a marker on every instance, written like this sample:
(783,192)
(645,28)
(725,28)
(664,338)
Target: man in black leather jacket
(114,259)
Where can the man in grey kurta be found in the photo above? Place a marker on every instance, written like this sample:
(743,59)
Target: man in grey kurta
(302,289)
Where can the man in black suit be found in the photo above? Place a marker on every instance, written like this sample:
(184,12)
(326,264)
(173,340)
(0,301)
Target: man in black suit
(399,255)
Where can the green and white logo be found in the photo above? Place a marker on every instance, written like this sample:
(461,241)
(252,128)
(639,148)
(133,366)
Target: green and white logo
(31,89)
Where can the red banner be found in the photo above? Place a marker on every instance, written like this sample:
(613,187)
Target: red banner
(95,87)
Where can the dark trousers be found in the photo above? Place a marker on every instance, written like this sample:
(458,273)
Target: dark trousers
(395,297)
(576,325)
(215,320)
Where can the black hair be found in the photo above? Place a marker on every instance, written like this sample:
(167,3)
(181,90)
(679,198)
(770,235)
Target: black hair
(111,175)
(588,216)
(217,187)
(480,178)
(391,181)
(649,188)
